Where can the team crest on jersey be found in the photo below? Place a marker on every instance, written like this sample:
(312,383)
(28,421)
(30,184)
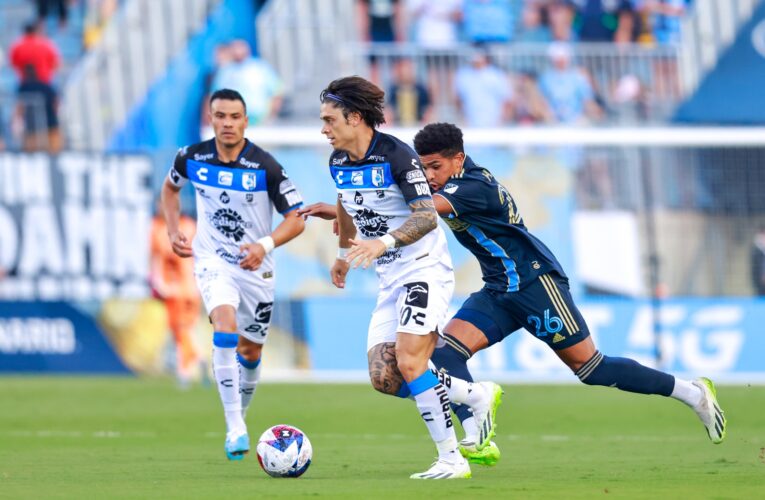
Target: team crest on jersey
(417,294)
(371,223)
(377,176)
(224,197)
(451,188)
(358,198)
(229,223)
(249,181)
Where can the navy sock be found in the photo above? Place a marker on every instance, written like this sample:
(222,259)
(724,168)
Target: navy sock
(625,374)
(452,357)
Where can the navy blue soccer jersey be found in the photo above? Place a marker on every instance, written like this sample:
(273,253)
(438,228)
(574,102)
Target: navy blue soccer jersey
(485,220)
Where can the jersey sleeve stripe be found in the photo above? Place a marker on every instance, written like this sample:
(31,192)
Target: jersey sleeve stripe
(293,207)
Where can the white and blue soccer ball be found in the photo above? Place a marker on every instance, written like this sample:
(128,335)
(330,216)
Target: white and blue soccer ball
(284,451)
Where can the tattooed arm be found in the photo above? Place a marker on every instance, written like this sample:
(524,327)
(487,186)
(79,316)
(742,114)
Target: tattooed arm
(422,221)
(383,368)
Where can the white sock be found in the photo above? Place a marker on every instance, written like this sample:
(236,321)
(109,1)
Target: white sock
(248,382)
(460,391)
(470,428)
(226,372)
(434,406)
(686,392)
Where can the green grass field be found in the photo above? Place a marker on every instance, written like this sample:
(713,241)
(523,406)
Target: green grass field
(134,438)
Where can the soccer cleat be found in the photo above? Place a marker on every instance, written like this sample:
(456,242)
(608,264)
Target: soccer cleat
(237,448)
(442,469)
(488,456)
(485,413)
(709,411)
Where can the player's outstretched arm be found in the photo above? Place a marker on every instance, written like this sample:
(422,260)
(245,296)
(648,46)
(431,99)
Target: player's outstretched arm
(347,231)
(170,202)
(321,210)
(289,228)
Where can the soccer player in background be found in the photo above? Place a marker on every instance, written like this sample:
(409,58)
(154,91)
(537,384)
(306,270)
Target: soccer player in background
(525,287)
(237,187)
(172,281)
(383,195)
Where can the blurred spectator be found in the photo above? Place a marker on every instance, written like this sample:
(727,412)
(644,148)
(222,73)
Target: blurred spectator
(758,262)
(566,88)
(631,98)
(380,23)
(59,7)
(253,77)
(536,23)
(34,48)
(37,114)
(484,94)
(97,16)
(409,98)
(172,281)
(604,20)
(530,105)
(663,19)
(561,16)
(488,21)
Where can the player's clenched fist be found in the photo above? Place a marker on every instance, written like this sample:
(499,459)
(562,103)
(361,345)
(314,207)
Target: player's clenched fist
(181,244)
(254,256)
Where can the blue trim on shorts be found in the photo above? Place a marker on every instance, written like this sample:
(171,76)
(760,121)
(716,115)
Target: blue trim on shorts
(427,380)
(483,322)
(250,365)
(221,339)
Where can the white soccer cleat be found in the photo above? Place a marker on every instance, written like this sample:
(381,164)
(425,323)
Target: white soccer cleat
(485,413)
(709,411)
(446,470)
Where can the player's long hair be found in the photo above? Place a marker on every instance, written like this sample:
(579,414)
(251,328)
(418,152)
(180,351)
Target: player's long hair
(442,138)
(354,94)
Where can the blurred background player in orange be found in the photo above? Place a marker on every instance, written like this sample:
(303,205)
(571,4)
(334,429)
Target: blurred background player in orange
(172,281)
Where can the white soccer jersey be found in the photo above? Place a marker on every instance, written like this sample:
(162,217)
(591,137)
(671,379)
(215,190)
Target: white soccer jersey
(376,191)
(235,200)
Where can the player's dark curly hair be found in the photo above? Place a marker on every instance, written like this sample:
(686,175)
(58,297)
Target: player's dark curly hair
(354,94)
(442,138)
(228,95)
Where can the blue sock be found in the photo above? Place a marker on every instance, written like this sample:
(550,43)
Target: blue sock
(452,357)
(427,380)
(625,374)
(250,365)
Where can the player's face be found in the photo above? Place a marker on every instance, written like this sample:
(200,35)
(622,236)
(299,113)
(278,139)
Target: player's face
(340,131)
(439,168)
(229,121)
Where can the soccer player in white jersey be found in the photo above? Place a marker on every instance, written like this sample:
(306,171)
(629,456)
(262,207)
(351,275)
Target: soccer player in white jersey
(386,216)
(237,187)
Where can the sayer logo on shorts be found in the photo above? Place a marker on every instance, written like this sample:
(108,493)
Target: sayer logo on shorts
(263,312)
(417,294)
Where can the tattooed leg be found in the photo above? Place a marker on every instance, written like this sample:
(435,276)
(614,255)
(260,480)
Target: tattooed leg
(384,372)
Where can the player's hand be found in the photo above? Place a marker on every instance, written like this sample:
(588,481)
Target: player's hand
(181,244)
(321,210)
(254,256)
(364,252)
(338,272)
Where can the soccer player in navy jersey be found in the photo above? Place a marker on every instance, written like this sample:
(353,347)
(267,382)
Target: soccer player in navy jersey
(238,185)
(525,287)
(385,215)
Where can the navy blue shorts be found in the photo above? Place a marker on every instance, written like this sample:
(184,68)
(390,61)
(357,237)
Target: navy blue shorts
(544,307)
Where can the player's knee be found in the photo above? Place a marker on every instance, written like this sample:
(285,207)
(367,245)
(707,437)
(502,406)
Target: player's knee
(382,383)
(250,352)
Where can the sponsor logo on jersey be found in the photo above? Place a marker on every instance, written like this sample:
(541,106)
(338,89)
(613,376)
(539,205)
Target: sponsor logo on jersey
(229,257)
(225,178)
(339,161)
(376,158)
(535,265)
(380,193)
(202,173)
(249,197)
(293,198)
(422,189)
(202,193)
(358,198)
(286,186)
(417,294)
(263,312)
(249,181)
(339,177)
(371,223)
(229,223)
(377,176)
(389,256)
(357,178)
(224,197)
(200,157)
(451,188)
(415,176)
(248,164)
(455,224)
(175,176)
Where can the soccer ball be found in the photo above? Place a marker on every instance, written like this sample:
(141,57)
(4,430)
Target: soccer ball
(284,451)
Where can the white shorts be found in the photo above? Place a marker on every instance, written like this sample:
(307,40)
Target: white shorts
(249,292)
(417,304)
